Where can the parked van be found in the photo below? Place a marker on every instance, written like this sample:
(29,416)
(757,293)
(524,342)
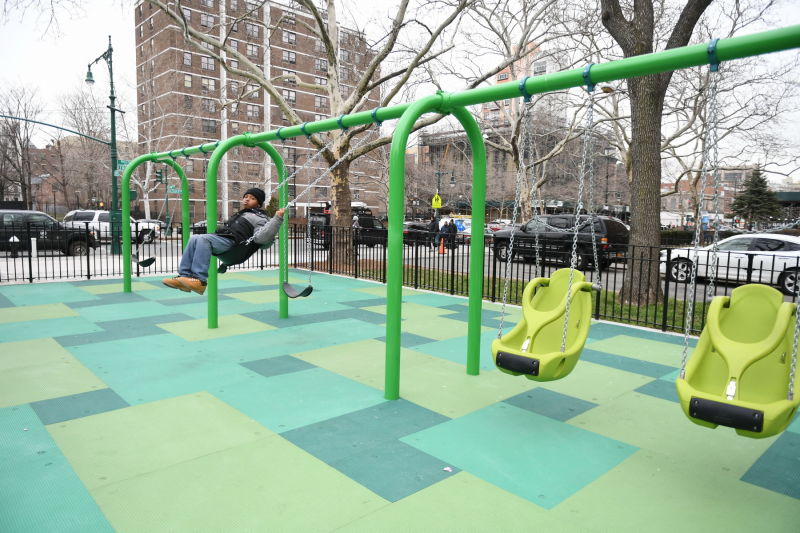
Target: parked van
(100,222)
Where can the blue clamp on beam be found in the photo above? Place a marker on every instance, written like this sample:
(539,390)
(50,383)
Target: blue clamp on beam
(375,116)
(713,62)
(523,90)
(184,154)
(200,147)
(587,77)
(278,134)
(303,129)
(339,122)
(174,157)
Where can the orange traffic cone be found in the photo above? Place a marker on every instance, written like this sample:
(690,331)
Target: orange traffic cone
(441,246)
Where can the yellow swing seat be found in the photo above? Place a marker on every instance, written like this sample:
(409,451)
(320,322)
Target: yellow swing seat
(738,375)
(533,347)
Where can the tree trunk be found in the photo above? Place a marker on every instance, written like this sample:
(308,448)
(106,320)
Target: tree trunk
(341,213)
(642,284)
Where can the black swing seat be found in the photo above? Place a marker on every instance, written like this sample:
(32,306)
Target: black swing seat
(237,254)
(291,292)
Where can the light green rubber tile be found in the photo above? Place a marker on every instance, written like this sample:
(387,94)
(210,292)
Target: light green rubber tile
(380,290)
(110,288)
(415,310)
(125,443)
(597,383)
(433,383)
(664,353)
(34,312)
(257,296)
(267,277)
(229,325)
(120,311)
(462,503)
(657,493)
(437,327)
(199,309)
(40,370)
(660,426)
(266,485)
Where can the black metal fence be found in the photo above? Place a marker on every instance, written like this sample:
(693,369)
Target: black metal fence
(428,266)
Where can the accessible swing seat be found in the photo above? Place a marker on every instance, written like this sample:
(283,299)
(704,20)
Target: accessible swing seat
(533,347)
(740,372)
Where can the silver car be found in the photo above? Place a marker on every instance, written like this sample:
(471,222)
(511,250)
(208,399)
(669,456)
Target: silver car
(766,258)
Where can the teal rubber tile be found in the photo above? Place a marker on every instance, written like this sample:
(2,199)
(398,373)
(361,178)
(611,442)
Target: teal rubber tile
(394,470)
(122,311)
(45,293)
(527,454)
(310,336)
(288,401)
(368,302)
(628,364)
(39,490)
(110,298)
(778,469)
(409,340)
(434,300)
(354,433)
(5,302)
(274,366)
(77,405)
(51,327)
(795,425)
(272,317)
(120,329)
(455,349)
(660,388)
(198,307)
(604,330)
(550,403)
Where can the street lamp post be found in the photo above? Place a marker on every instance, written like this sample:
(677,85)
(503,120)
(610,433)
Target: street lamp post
(116,214)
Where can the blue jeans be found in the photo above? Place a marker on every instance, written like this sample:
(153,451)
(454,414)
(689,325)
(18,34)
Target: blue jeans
(197,255)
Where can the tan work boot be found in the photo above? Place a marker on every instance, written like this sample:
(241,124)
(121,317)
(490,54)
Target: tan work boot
(175,283)
(193,284)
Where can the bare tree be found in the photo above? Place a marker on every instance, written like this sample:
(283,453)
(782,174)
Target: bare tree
(17,139)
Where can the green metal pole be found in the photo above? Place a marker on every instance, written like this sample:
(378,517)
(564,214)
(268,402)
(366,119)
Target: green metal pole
(184,199)
(211,223)
(394,272)
(126,212)
(476,250)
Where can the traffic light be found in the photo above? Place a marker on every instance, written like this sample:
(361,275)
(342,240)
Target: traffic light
(159,176)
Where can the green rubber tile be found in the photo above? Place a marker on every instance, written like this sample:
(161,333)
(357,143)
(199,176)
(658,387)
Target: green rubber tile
(438,385)
(795,425)
(409,340)
(117,287)
(414,310)
(229,325)
(198,307)
(257,296)
(45,293)
(5,302)
(629,364)
(664,493)
(275,366)
(47,328)
(41,369)
(442,301)
(313,395)
(380,290)
(34,312)
(552,404)
(778,469)
(111,447)
(558,460)
(596,383)
(77,405)
(660,388)
(462,503)
(115,330)
(310,336)
(455,349)
(437,327)
(266,485)
(39,490)
(653,351)
(110,299)
(121,311)
(660,426)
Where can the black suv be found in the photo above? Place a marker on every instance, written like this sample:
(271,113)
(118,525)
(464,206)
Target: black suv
(371,232)
(556,235)
(18,227)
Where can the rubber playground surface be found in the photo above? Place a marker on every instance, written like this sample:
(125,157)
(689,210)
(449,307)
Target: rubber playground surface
(123,412)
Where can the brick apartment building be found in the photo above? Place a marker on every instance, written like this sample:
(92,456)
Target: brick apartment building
(679,206)
(186,98)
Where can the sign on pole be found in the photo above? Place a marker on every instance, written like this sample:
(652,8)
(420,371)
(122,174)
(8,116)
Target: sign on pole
(436,201)
(173,189)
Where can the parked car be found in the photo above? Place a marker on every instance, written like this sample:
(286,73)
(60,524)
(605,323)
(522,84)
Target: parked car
(372,231)
(150,222)
(555,239)
(17,227)
(100,222)
(417,234)
(767,258)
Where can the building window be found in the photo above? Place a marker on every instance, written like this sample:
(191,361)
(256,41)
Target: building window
(189,165)
(206,63)
(318,117)
(187,102)
(320,102)
(253,111)
(318,46)
(233,87)
(289,96)
(252,50)
(288,18)
(189,124)
(290,80)
(322,81)
(289,37)
(234,44)
(206,20)
(252,90)
(235,127)
(321,64)
(209,125)
(344,55)
(321,192)
(290,153)
(234,5)
(187,59)
(502,76)
(539,68)
(187,15)
(233,63)
(207,46)
(209,105)
(289,57)
(208,84)
(356,194)
(251,29)
(207,3)
(187,80)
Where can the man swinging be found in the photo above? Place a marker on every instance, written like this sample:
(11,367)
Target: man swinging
(248,222)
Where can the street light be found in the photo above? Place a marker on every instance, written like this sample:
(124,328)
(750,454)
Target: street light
(116,215)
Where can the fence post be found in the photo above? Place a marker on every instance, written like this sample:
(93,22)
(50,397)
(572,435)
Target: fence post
(453,269)
(88,261)
(750,259)
(666,291)
(30,251)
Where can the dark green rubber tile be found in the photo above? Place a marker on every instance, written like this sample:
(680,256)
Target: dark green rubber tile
(110,298)
(605,330)
(272,317)
(274,366)
(660,388)
(778,469)
(551,404)
(409,340)
(77,405)
(5,302)
(394,470)
(629,364)
(122,329)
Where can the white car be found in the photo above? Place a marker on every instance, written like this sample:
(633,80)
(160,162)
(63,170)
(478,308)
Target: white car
(767,258)
(100,221)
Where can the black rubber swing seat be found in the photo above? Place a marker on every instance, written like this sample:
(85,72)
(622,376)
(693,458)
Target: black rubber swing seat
(291,292)
(533,347)
(739,374)
(236,255)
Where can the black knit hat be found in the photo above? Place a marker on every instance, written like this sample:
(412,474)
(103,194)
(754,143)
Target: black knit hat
(257,193)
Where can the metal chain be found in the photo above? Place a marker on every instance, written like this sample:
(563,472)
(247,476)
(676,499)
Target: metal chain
(306,164)
(587,141)
(521,169)
(710,150)
(793,367)
(530,146)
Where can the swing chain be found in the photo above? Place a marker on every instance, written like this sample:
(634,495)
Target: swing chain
(712,157)
(793,367)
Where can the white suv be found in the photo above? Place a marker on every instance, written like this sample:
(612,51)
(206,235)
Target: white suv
(100,221)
